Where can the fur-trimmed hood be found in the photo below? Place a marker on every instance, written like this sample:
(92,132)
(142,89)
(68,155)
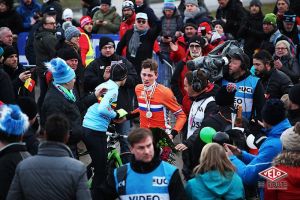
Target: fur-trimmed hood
(288,158)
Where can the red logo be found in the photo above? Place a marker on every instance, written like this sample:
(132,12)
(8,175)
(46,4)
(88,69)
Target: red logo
(273,174)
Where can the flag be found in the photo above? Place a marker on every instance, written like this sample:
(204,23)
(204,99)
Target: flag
(29,84)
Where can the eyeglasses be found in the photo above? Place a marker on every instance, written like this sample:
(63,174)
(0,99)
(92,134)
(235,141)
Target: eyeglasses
(194,46)
(52,23)
(149,75)
(280,48)
(141,21)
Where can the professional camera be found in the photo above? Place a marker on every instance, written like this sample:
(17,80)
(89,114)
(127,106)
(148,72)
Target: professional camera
(213,63)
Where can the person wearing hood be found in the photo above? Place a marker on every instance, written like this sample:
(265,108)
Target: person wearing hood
(250,92)
(248,166)
(275,82)
(106,19)
(251,28)
(212,38)
(29,10)
(215,176)
(289,162)
(9,17)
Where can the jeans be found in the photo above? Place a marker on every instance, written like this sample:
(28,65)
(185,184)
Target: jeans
(96,144)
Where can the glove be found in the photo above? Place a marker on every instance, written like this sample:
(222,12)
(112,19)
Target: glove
(121,113)
(160,56)
(174,133)
(132,115)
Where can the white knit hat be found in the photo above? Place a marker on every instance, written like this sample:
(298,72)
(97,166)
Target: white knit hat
(68,13)
(290,138)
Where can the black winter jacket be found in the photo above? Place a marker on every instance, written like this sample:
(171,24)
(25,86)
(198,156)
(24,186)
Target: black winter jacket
(10,156)
(93,76)
(12,20)
(51,174)
(6,90)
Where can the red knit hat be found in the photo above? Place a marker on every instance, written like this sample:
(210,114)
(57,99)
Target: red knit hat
(84,20)
(206,26)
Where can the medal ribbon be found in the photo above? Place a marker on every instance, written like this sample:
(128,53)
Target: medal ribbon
(150,96)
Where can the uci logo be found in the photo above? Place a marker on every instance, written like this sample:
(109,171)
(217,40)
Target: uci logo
(159,181)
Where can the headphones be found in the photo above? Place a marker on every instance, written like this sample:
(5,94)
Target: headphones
(197,83)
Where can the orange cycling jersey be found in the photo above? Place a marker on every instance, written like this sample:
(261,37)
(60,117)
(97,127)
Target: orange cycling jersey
(161,100)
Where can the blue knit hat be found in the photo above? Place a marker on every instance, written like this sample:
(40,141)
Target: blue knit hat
(60,70)
(70,32)
(169,6)
(12,120)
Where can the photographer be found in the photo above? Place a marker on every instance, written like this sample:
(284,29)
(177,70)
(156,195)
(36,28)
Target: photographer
(250,93)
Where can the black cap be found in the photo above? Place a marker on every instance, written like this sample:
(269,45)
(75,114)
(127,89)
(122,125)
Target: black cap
(118,72)
(294,94)
(67,53)
(105,41)
(49,10)
(8,51)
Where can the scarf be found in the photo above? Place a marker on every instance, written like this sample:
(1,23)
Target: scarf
(191,15)
(134,42)
(68,94)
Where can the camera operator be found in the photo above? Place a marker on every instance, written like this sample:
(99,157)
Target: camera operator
(250,92)
(212,38)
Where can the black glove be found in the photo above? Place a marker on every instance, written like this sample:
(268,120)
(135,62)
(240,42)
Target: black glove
(174,133)
(130,116)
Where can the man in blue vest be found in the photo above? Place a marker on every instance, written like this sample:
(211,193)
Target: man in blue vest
(146,176)
(250,93)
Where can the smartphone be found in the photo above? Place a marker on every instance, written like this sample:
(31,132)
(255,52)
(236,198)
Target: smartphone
(30,68)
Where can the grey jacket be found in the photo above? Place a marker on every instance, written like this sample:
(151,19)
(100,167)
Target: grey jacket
(51,174)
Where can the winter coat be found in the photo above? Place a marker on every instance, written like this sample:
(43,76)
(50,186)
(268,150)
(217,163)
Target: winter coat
(126,25)
(213,185)
(288,162)
(93,76)
(10,156)
(51,174)
(44,47)
(18,85)
(294,116)
(251,31)
(57,7)
(169,28)
(12,20)
(250,165)
(6,90)
(28,12)
(55,102)
(145,49)
(181,53)
(113,19)
(234,14)
(276,84)
(291,67)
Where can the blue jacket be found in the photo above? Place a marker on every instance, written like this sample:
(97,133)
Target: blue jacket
(98,116)
(212,185)
(27,12)
(251,165)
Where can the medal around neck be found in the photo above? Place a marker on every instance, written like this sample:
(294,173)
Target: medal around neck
(148,114)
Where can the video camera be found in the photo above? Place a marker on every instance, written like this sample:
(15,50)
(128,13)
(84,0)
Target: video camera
(213,63)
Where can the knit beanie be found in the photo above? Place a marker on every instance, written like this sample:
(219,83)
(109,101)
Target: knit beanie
(118,72)
(71,32)
(286,1)
(84,20)
(8,51)
(290,138)
(12,120)
(294,94)
(189,24)
(270,18)
(28,106)
(206,26)
(273,111)
(256,3)
(195,2)
(220,22)
(67,53)
(106,41)
(225,95)
(60,70)
(68,13)
(289,16)
(108,2)
(128,4)
(197,39)
(169,6)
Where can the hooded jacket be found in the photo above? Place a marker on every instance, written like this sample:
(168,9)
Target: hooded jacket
(213,185)
(250,165)
(28,12)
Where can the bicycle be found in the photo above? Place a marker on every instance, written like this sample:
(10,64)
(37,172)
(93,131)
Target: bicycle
(114,158)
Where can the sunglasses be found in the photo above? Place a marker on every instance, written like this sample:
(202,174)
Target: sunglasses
(195,46)
(141,21)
